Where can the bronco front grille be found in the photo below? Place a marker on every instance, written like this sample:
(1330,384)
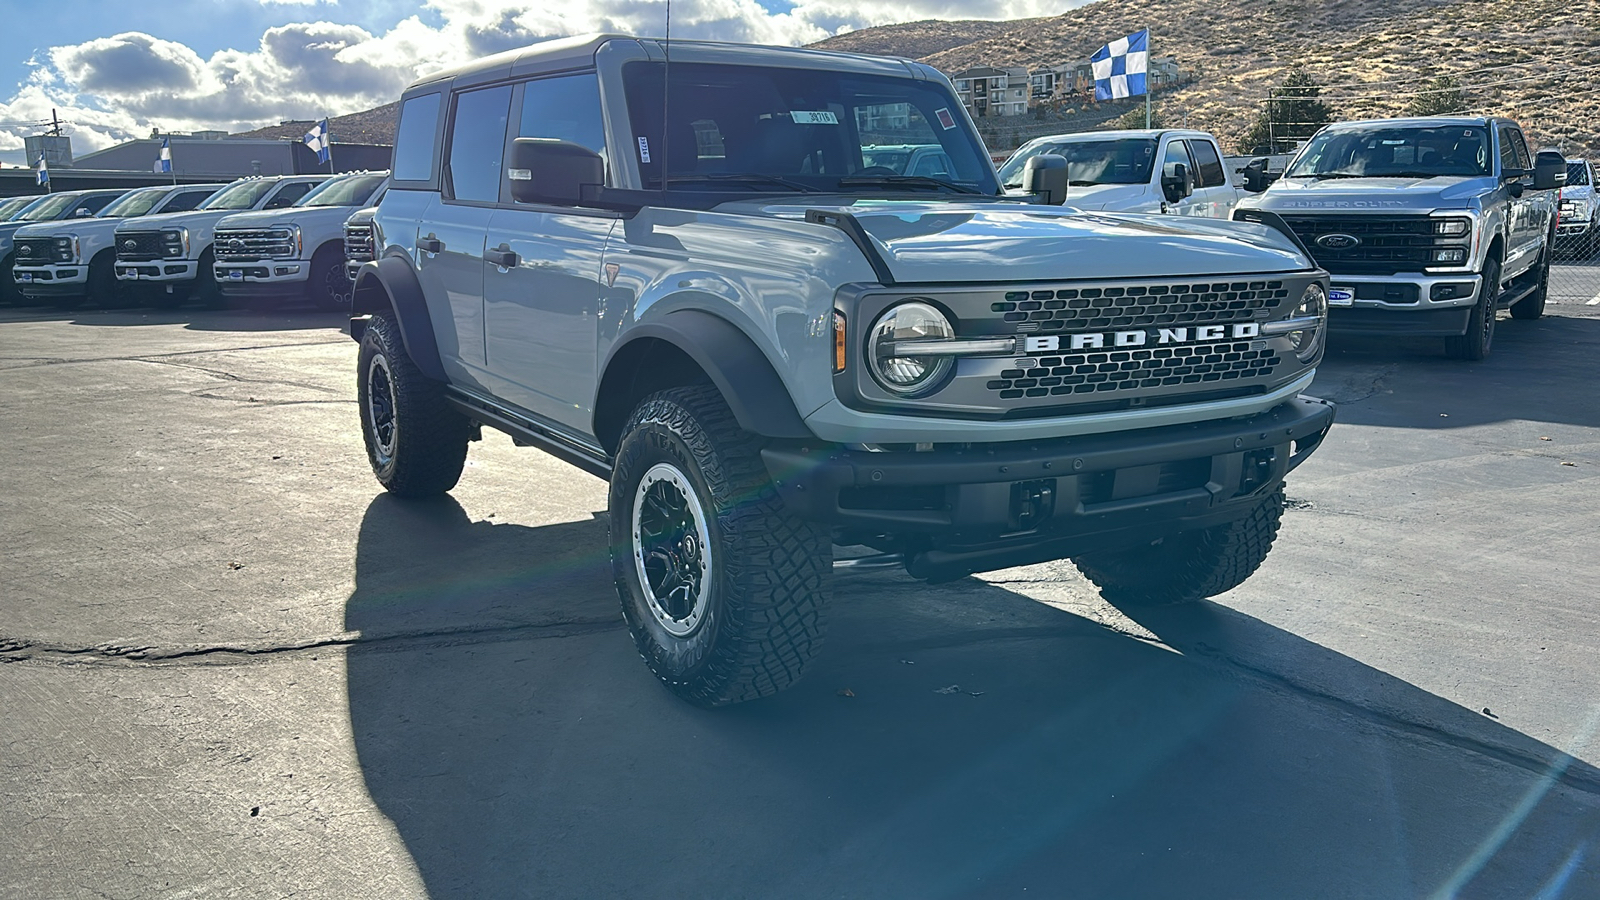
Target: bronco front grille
(1385,245)
(140,246)
(251,245)
(1126,370)
(358,242)
(1139,306)
(34,251)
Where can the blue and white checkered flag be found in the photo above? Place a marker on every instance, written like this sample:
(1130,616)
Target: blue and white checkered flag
(1120,66)
(43,175)
(164,161)
(317,140)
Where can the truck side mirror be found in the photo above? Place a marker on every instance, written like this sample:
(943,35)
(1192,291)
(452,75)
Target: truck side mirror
(1549,170)
(545,170)
(1255,175)
(1176,182)
(1046,176)
(82,212)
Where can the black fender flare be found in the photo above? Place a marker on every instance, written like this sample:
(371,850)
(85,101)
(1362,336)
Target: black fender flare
(736,366)
(391,283)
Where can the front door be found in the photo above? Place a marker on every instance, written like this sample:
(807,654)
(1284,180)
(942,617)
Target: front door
(1522,229)
(543,273)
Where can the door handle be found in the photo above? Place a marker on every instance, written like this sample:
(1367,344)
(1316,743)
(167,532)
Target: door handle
(430,244)
(502,256)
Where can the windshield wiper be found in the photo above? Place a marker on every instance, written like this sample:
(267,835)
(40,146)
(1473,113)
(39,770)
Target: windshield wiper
(743,178)
(916,181)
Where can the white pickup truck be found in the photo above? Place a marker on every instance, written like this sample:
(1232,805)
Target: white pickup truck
(1161,170)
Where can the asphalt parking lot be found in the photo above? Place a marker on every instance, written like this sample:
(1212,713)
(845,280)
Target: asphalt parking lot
(231,667)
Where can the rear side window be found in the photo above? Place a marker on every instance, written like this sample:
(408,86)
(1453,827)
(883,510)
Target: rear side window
(413,143)
(1524,158)
(1508,151)
(478,143)
(1210,165)
(95,204)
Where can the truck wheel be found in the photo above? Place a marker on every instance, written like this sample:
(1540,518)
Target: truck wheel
(416,442)
(103,287)
(723,590)
(1476,342)
(206,290)
(1189,566)
(10,294)
(329,286)
(1532,306)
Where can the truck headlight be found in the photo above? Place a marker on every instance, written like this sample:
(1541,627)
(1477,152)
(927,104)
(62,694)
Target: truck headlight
(175,243)
(1307,342)
(65,249)
(909,322)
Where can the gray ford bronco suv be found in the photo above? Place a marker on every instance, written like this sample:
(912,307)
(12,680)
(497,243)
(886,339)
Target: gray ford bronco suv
(1429,226)
(681,276)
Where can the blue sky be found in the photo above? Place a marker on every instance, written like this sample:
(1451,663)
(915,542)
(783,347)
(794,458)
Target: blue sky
(116,68)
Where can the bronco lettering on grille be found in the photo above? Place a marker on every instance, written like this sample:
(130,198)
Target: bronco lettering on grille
(1143,337)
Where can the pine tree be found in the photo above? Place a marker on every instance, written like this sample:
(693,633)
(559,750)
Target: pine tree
(1292,113)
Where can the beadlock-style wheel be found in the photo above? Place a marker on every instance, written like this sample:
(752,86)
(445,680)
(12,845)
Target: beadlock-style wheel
(380,409)
(672,549)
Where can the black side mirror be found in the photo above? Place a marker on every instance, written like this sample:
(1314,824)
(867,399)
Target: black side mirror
(1549,170)
(1046,176)
(278,203)
(545,170)
(1176,182)
(1255,176)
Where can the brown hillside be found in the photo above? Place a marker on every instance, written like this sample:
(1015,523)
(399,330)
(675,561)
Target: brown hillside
(372,126)
(917,40)
(1365,50)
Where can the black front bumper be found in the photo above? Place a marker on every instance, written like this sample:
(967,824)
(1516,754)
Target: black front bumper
(1448,322)
(989,506)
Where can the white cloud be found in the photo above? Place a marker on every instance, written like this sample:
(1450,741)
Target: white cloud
(115,88)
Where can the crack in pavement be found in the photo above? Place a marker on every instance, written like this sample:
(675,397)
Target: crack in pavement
(37,361)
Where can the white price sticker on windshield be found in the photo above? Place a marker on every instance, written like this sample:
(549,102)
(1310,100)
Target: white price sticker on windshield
(813,117)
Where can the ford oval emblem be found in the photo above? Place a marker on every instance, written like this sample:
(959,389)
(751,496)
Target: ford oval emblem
(1338,241)
(235,244)
(130,245)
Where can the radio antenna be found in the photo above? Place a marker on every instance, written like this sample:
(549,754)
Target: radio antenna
(666,94)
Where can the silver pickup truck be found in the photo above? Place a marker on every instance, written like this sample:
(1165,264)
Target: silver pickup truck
(1162,170)
(1428,226)
(691,281)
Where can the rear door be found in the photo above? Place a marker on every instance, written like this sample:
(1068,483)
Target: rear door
(1213,195)
(542,281)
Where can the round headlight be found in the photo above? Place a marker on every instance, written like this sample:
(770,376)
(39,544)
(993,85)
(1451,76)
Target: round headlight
(1313,303)
(908,322)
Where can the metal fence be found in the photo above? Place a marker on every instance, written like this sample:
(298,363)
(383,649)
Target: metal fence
(1575,273)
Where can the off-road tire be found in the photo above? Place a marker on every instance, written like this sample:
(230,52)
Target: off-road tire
(104,289)
(1532,306)
(767,580)
(1479,339)
(1190,566)
(424,448)
(327,284)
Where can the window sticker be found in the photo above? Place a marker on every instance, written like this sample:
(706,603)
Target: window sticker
(813,117)
(944,117)
(644,149)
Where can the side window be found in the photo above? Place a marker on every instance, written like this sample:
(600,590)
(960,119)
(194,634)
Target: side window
(1508,151)
(288,194)
(1205,156)
(94,204)
(1524,158)
(478,144)
(567,109)
(413,143)
(1177,152)
(936,165)
(185,201)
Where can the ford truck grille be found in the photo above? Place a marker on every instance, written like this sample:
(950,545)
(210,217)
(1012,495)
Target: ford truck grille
(1126,370)
(1139,306)
(1383,245)
(34,251)
(358,242)
(253,244)
(140,246)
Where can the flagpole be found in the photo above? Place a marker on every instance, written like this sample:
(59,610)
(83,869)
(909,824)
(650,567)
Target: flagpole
(1147,79)
(330,145)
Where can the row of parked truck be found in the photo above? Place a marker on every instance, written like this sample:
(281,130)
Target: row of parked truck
(257,241)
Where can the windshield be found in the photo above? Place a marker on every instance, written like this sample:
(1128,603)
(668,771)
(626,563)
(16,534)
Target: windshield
(239,195)
(134,203)
(1118,161)
(351,190)
(50,209)
(779,130)
(1577,173)
(15,205)
(1411,151)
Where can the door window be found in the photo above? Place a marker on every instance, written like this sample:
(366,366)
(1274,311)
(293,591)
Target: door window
(566,109)
(1508,151)
(186,201)
(1177,152)
(478,143)
(413,142)
(288,194)
(1210,165)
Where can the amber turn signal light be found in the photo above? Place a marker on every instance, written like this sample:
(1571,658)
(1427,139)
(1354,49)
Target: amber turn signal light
(838,342)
